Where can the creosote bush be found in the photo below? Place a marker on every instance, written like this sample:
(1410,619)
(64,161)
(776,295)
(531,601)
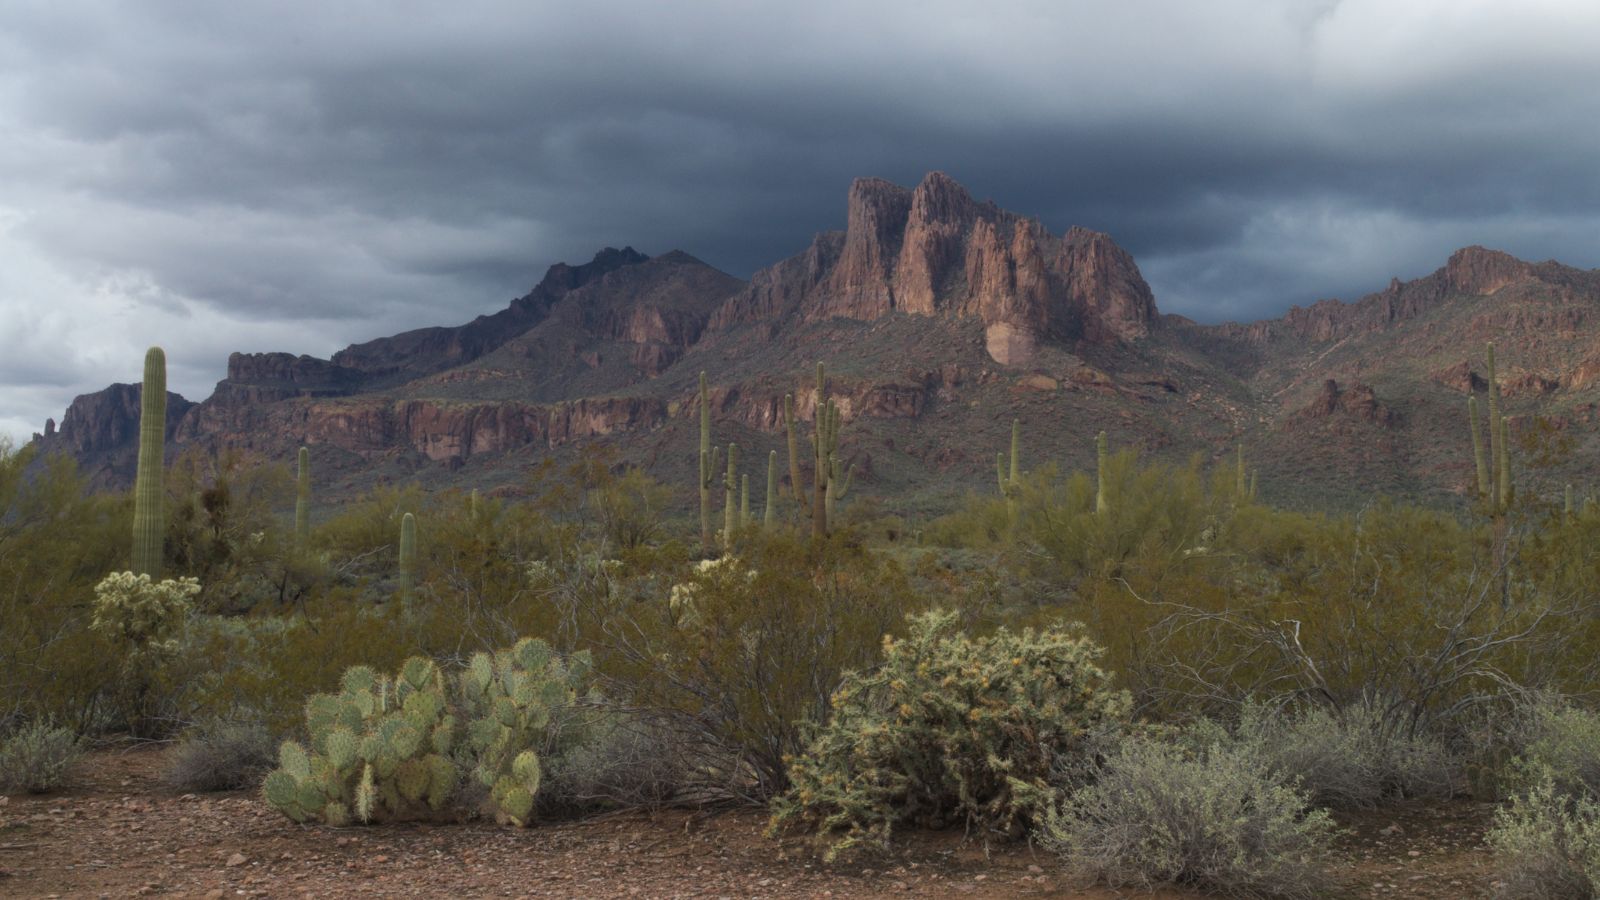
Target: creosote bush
(1547,843)
(35,758)
(1210,819)
(950,730)
(1342,759)
(220,755)
(1547,840)
(752,648)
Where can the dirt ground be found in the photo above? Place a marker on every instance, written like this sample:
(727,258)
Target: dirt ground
(117,832)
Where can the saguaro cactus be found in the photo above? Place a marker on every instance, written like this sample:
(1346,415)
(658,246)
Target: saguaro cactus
(1241,482)
(1485,485)
(794,452)
(408,554)
(1102,503)
(730,488)
(1010,482)
(709,456)
(302,498)
(1498,432)
(744,501)
(824,445)
(769,512)
(149,516)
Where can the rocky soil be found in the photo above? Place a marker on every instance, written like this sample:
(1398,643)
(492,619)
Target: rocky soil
(118,832)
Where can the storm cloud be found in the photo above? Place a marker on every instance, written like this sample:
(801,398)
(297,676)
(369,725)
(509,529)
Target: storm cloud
(300,175)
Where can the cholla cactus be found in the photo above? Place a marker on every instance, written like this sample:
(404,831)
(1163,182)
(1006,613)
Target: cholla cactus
(379,751)
(949,729)
(509,697)
(142,615)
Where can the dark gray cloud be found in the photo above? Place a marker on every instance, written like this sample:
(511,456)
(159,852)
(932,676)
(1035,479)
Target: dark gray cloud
(299,175)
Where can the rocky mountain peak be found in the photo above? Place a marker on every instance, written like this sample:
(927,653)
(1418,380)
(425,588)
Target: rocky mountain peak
(1479,270)
(935,251)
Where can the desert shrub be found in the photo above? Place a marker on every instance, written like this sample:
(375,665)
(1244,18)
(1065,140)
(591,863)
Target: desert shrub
(36,757)
(1547,844)
(753,647)
(56,540)
(1547,840)
(950,730)
(1340,758)
(220,755)
(1562,746)
(601,758)
(1210,819)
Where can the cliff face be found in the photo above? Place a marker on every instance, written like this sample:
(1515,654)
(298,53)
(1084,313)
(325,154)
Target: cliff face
(101,431)
(934,251)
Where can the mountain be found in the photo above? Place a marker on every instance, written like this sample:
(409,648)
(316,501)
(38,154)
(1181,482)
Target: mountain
(941,318)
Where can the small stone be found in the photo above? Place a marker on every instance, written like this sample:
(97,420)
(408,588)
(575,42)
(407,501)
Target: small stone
(1034,870)
(237,859)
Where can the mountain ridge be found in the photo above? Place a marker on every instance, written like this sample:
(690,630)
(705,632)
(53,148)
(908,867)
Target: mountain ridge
(940,316)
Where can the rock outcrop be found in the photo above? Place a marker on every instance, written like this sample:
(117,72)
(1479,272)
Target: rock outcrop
(1358,401)
(935,251)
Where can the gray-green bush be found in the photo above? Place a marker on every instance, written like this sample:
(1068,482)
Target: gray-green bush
(220,755)
(1547,844)
(1547,840)
(36,757)
(1210,819)
(1342,759)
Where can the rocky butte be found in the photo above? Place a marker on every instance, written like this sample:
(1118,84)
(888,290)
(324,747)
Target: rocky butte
(941,317)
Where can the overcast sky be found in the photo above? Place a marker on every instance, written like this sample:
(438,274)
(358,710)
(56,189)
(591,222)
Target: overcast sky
(296,176)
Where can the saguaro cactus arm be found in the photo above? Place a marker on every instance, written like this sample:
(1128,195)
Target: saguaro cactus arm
(1479,460)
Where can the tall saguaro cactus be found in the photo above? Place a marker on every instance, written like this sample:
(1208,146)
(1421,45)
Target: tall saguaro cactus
(408,555)
(1494,471)
(730,488)
(744,501)
(794,451)
(824,446)
(302,498)
(1102,503)
(1010,482)
(1499,452)
(708,465)
(769,512)
(149,515)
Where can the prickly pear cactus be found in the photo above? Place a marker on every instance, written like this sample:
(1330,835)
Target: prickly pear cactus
(508,698)
(379,751)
